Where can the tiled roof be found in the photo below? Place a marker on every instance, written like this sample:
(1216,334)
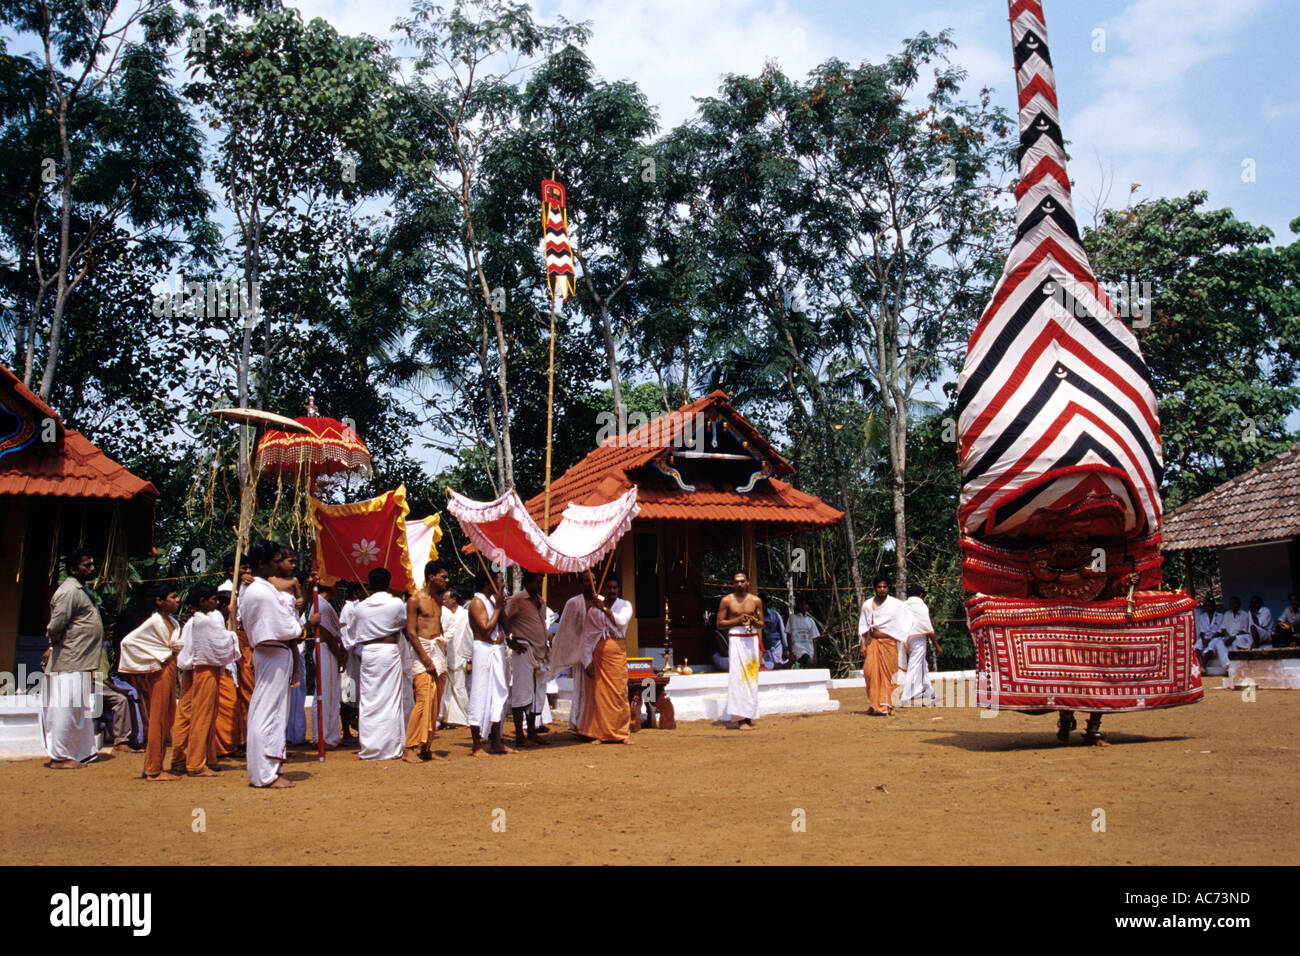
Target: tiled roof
(1261,505)
(616,465)
(70,468)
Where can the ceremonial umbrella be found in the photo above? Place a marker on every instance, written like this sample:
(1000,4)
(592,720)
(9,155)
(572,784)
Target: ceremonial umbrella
(328,447)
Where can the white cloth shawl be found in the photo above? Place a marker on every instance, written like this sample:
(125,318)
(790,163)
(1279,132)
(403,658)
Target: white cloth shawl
(892,616)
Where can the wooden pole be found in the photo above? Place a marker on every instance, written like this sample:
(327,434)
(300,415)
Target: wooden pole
(550,419)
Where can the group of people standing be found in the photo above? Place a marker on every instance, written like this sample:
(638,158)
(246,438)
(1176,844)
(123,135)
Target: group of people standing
(396,667)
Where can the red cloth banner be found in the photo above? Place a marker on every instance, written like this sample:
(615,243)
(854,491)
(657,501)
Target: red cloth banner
(354,539)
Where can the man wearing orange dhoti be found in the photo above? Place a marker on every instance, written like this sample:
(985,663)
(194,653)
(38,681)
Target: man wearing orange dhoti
(883,623)
(424,620)
(606,714)
(209,647)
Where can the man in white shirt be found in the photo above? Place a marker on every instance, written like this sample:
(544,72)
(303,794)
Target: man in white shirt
(1209,621)
(1261,623)
(1233,634)
(377,624)
(1288,622)
(271,628)
(883,623)
(804,631)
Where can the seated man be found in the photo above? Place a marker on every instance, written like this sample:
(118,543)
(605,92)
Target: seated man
(1209,620)
(774,654)
(719,659)
(1287,622)
(804,631)
(1233,635)
(1261,623)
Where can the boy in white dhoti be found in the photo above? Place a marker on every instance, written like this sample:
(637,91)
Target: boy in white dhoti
(271,627)
(75,633)
(460,652)
(917,682)
(326,701)
(488,693)
(740,617)
(377,626)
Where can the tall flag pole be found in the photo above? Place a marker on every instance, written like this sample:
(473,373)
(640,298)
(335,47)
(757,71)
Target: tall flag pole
(559,282)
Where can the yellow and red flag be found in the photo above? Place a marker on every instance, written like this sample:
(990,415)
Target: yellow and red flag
(354,539)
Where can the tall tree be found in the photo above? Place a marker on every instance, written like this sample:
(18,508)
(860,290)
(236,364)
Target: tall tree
(98,146)
(304,115)
(905,177)
(464,97)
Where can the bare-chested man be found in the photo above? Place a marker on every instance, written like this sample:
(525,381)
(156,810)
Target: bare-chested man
(424,622)
(740,617)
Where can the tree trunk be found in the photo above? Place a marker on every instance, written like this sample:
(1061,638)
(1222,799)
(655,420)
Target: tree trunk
(65,228)
(620,413)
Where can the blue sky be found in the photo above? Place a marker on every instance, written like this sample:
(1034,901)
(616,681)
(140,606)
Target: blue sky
(1178,96)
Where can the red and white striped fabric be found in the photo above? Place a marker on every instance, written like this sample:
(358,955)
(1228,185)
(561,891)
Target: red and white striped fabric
(1060,461)
(1057,418)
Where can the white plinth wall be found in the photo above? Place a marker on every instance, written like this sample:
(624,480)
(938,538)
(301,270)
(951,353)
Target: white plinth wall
(704,696)
(1283,674)
(20,727)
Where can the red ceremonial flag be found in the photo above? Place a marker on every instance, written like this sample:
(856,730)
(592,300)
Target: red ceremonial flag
(354,539)
(555,230)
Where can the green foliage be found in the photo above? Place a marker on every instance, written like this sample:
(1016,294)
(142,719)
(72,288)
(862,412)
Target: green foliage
(1224,335)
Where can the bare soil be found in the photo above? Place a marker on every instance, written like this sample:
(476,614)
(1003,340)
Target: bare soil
(1214,783)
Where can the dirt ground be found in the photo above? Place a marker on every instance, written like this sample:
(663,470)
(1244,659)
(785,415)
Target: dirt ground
(1215,783)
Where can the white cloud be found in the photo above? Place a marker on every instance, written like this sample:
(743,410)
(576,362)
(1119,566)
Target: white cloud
(1153,48)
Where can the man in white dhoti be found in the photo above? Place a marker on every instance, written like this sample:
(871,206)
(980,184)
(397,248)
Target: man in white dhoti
(884,622)
(525,625)
(75,633)
(271,628)
(378,627)
(567,650)
(740,617)
(917,682)
(1261,623)
(326,702)
(460,651)
(350,680)
(488,693)
(1233,634)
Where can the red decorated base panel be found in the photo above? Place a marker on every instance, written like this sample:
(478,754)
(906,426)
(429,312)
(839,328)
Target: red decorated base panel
(1038,655)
